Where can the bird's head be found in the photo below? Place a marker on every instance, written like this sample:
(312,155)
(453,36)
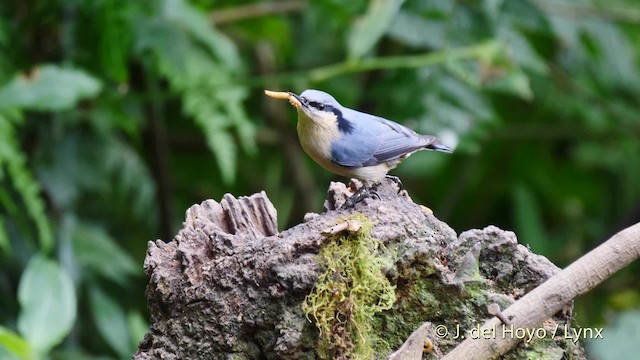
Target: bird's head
(314,104)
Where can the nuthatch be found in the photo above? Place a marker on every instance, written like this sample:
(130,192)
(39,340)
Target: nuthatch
(351,143)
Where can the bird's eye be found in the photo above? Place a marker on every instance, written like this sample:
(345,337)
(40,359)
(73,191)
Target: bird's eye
(317,105)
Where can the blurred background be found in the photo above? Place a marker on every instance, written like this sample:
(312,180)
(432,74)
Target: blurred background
(116,116)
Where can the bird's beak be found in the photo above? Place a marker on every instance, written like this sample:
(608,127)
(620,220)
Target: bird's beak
(294,99)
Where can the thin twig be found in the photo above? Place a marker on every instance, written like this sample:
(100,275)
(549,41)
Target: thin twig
(351,226)
(244,12)
(494,309)
(326,72)
(160,153)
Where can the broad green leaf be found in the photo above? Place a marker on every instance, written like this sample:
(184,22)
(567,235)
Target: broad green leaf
(416,31)
(138,327)
(49,88)
(47,304)
(97,251)
(111,322)
(14,344)
(368,29)
(615,56)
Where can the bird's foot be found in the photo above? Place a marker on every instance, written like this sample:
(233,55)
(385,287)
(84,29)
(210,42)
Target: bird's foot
(361,194)
(395,180)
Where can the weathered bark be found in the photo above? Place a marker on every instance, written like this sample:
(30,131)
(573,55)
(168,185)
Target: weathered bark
(229,286)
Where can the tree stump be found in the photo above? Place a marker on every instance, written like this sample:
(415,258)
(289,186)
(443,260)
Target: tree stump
(230,286)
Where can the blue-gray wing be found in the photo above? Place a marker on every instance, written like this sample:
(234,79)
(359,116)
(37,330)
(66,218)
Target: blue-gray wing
(375,140)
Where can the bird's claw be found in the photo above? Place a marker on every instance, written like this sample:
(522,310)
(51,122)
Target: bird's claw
(365,191)
(359,195)
(395,180)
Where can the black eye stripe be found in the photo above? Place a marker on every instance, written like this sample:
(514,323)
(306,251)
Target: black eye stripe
(318,105)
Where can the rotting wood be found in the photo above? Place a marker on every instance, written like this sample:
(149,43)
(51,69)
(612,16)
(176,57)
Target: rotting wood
(229,285)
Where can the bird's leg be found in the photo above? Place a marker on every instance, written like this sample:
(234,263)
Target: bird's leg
(359,195)
(396,180)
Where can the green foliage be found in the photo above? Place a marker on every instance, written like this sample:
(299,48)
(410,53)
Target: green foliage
(99,254)
(111,322)
(349,293)
(48,87)
(137,326)
(202,65)
(47,304)
(367,30)
(12,346)
(14,160)
(4,238)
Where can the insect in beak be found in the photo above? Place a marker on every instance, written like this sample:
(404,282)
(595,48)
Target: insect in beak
(294,99)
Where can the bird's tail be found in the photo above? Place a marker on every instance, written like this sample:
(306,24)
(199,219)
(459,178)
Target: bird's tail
(436,145)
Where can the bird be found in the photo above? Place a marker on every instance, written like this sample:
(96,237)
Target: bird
(351,143)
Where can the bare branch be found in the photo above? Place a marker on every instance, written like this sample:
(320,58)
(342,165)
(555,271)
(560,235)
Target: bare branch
(255,10)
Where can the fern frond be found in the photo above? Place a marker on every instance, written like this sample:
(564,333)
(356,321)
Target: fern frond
(13,160)
(131,173)
(201,65)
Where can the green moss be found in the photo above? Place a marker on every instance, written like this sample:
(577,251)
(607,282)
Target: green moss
(350,292)
(539,349)
(425,298)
